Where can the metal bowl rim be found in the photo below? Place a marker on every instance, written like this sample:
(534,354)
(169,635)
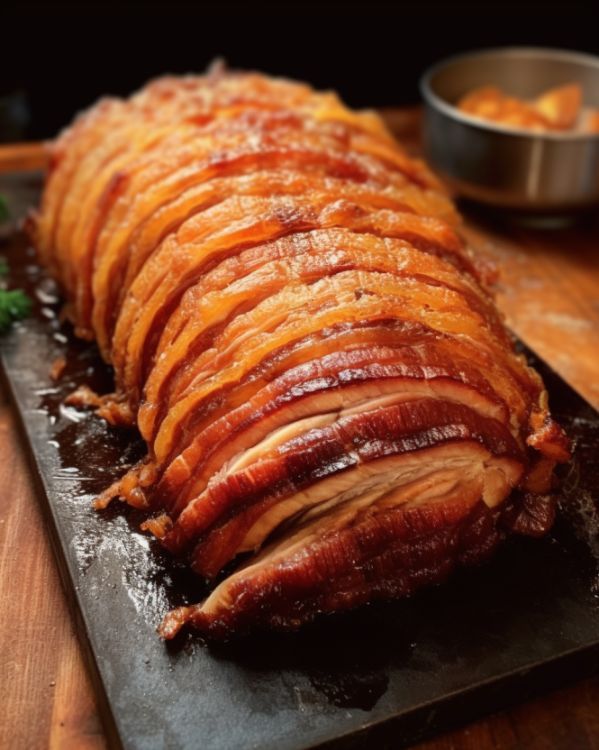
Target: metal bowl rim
(434,100)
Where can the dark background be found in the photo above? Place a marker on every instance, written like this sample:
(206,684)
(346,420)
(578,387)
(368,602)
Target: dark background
(59,57)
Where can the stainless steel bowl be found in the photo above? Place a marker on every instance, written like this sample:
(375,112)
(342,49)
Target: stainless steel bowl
(500,166)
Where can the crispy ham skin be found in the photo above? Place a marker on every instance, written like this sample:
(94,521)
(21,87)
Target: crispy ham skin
(303,339)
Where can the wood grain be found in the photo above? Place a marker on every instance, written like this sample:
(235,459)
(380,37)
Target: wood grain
(46,698)
(549,293)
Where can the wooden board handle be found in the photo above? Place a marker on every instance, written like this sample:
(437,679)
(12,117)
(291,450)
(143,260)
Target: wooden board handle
(24,157)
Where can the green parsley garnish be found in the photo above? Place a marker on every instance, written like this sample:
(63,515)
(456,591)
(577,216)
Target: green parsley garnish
(14,303)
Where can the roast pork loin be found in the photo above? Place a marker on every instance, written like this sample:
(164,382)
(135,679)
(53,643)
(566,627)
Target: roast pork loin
(329,396)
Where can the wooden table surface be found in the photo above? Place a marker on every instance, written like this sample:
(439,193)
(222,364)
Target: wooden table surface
(549,291)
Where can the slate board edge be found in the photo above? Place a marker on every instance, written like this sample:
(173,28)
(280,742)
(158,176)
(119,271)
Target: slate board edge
(475,702)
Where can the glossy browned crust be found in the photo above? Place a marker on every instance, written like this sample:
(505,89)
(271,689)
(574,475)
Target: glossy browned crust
(303,339)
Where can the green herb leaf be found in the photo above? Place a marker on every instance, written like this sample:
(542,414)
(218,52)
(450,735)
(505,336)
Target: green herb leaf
(14,305)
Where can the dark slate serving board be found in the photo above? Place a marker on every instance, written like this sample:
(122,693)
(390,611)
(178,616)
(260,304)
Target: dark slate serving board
(388,674)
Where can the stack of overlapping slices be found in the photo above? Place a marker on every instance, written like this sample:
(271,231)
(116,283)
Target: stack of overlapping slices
(326,388)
